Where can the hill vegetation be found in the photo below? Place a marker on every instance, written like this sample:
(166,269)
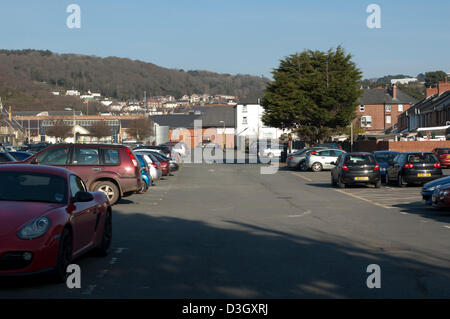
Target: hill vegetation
(28,76)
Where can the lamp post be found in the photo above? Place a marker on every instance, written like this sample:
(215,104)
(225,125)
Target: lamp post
(223,134)
(73,126)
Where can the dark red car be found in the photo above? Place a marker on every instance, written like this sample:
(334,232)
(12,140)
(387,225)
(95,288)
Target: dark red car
(441,197)
(112,169)
(443,154)
(47,218)
(165,163)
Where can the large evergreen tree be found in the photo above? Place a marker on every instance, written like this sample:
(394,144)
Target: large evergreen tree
(313,92)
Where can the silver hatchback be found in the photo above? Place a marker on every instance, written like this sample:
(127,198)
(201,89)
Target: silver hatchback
(322,159)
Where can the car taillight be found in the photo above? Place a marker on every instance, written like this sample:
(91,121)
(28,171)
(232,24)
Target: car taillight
(437,165)
(132,158)
(340,147)
(155,165)
(345,167)
(290,158)
(312,153)
(376,168)
(408,165)
(442,156)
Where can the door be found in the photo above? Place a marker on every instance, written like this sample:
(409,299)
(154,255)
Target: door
(56,156)
(326,158)
(84,217)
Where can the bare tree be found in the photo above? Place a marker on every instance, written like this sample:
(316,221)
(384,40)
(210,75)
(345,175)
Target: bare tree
(60,130)
(141,128)
(100,129)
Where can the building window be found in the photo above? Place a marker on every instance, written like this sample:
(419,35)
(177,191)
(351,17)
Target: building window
(244,120)
(366,121)
(244,109)
(362,108)
(388,107)
(388,119)
(400,107)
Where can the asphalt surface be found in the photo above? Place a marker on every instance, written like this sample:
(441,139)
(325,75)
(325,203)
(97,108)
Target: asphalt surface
(228,231)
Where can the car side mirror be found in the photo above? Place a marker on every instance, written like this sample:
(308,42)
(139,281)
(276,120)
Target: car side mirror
(83,197)
(333,163)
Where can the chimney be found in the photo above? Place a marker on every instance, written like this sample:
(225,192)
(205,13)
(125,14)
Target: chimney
(394,91)
(443,86)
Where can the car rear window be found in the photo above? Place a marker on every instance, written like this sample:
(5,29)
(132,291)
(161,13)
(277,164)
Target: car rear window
(385,157)
(111,156)
(444,151)
(359,159)
(421,158)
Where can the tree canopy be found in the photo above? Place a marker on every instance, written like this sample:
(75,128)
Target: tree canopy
(313,92)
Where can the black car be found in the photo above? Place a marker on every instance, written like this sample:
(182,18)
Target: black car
(356,168)
(429,188)
(162,148)
(5,157)
(20,156)
(413,168)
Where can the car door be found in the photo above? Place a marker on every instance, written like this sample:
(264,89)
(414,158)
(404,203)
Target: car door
(326,157)
(84,216)
(85,162)
(56,156)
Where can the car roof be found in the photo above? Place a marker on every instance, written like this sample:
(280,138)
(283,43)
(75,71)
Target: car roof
(382,152)
(53,170)
(359,153)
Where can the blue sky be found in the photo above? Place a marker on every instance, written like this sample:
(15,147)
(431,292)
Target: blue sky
(247,36)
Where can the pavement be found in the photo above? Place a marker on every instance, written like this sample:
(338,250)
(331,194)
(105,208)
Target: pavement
(228,231)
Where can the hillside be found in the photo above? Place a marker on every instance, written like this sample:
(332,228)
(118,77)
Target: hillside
(27,76)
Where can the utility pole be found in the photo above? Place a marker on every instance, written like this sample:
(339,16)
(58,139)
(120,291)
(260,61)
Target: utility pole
(351,136)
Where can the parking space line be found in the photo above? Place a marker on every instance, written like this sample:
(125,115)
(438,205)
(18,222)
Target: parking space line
(303,177)
(363,199)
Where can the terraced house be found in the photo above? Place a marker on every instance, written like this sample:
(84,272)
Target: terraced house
(379,108)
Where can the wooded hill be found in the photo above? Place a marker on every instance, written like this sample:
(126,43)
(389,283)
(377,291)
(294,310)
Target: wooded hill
(28,76)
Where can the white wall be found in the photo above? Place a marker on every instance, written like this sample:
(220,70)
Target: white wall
(254,127)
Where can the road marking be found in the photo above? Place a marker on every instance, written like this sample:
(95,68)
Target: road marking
(301,215)
(113,261)
(303,177)
(447,227)
(363,199)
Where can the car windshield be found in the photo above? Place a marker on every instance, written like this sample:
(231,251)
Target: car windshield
(359,159)
(32,187)
(421,158)
(385,157)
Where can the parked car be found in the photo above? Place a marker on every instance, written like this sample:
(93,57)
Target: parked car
(356,168)
(298,159)
(20,155)
(173,165)
(429,188)
(47,219)
(164,161)
(335,146)
(34,148)
(178,147)
(5,157)
(146,177)
(443,154)
(322,159)
(414,168)
(383,158)
(164,149)
(441,197)
(153,164)
(112,169)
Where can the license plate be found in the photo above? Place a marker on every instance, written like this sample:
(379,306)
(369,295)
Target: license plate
(365,178)
(424,175)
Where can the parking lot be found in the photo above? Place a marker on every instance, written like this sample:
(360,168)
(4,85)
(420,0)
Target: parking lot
(228,231)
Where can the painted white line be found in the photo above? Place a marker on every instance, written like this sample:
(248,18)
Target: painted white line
(363,199)
(447,227)
(120,250)
(113,261)
(403,213)
(303,177)
(301,215)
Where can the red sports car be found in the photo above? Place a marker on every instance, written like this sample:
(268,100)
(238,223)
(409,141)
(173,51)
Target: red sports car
(47,218)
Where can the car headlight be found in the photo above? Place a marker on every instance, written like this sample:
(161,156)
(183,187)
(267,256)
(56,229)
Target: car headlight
(34,229)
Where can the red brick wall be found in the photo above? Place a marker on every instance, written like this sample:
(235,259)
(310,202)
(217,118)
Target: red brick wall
(400,146)
(378,113)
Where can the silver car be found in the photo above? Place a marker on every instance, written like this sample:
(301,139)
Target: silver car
(297,159)
(155,170)
(322,159)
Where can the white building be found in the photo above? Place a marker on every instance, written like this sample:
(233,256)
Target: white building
(403,81)
(249,124)
(72,93)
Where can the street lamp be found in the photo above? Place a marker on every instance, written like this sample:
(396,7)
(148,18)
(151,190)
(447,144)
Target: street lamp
(73,126)
(223,134)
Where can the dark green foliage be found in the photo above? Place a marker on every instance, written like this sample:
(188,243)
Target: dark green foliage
(314,92)
(433,78)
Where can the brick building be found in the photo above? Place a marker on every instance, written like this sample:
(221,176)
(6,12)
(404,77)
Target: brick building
(380,107)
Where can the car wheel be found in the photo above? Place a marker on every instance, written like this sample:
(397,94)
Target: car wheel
(143,189)
(316,167)
(105,244)
(270,155)
(109,189)
(64,256)
(400,181)
(340,183)
(378,184)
